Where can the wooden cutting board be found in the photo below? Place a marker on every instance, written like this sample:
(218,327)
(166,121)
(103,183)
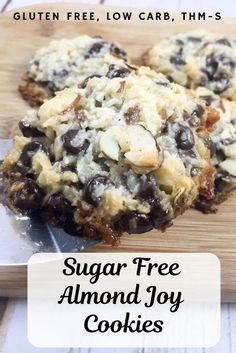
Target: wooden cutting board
(193,232)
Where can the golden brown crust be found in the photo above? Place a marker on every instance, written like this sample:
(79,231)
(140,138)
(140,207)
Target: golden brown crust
(207,182)
(33,93)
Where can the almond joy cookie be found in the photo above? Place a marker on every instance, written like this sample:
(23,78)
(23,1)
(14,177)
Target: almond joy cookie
(125,153)
(223,149)
(66,63)
(196,59)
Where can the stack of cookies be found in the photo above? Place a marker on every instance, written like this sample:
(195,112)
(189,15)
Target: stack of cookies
(114,148)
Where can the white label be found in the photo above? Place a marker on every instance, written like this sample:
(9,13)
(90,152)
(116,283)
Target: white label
(124,300)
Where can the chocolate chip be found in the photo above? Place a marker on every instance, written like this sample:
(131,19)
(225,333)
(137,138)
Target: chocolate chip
(164,84)
(166,129)
(85,82)
(72,228)
(187,153)
(61,213)
(224,41)
(69,168)
(78,185)
(60,73)
(179,42)
(98,104)
(204,205)
(58,204)
(223,184)
(75,141)
(35,62)
(116,50)
(194,39)
(159,217)
(29,130)
(219,152)
(219,69)
(95,49)
(134,222)
(194,171)
(196,114)
(50,85)
(95,188)
(227,61)
(212,64)
(198,111)
(184,138)
(19,171)
(233,121)
(222,84)
(177,60)
(29,150)
(117,71)
(66,222)
(27,196)
(147,190)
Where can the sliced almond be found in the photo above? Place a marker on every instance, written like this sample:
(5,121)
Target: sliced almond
(109,145)
(61,103)
(136,143)
(143,152)
(230,166)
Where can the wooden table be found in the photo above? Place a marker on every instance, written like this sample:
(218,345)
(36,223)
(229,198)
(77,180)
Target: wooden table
(13,336)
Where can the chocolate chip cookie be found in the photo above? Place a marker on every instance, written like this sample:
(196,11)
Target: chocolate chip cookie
(125,152)
(66,63)
(223,149)
(196,59)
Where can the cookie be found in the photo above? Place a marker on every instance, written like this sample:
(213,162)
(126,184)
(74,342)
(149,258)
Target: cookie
(66,63)
(125,153)
(223,147)
(196,59)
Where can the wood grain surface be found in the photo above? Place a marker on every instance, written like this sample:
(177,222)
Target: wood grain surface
(193,232)
(13,281)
